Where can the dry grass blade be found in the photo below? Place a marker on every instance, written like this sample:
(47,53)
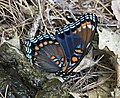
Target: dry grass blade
(6,90)
(27,5)
(2,95)
(14,13)
(104,7)
(40,12)
(58,13)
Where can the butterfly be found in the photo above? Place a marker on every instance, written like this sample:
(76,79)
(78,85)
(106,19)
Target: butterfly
(63,51)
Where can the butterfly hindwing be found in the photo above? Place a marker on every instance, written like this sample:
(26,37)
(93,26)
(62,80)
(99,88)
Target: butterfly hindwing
(45,51)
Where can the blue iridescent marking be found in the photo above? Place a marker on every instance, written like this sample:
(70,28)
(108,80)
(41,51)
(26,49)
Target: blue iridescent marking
(28,50)
(71,64)
(55,60)
(66,28)
(91,17)
(72,25)
(60,65)
(28,43)
(34,40)
(82,19)
(61,31)
(87,16)
(29,56)
(52,37)
(40,37)
(45,35)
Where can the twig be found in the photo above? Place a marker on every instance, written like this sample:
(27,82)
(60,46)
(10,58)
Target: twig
(40,13)
(2,95)
(104,6)
(6,91)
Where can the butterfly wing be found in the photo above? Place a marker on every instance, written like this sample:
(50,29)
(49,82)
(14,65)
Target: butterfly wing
(64,51)
(46,52)
(76,38)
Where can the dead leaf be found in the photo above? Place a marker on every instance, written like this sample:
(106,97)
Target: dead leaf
(116,8)
(116,93)
(110,39)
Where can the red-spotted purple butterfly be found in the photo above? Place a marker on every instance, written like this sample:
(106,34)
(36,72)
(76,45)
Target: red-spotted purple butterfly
(61,53)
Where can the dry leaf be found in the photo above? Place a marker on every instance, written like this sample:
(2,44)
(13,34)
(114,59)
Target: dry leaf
(85,63)
(116,93)
(116,8)
(110,39)
(15,41)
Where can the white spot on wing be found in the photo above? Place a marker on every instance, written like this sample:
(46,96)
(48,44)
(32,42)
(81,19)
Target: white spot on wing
(89,26)
(88,45)
(60,65)
(84,27)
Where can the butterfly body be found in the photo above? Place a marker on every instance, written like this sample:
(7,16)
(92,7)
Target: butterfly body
(61,53)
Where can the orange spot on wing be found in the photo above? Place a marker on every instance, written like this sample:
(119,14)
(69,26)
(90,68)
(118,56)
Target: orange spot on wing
(41,45)
(62,59)
(74,59)
(52,57)
(83,24)
(36,48)
(78,51)
(35,53)
(57,62)
(79,29)
(34,59)
(50,42)
(56,43)
(64,68)
(72,69)
(45,43)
